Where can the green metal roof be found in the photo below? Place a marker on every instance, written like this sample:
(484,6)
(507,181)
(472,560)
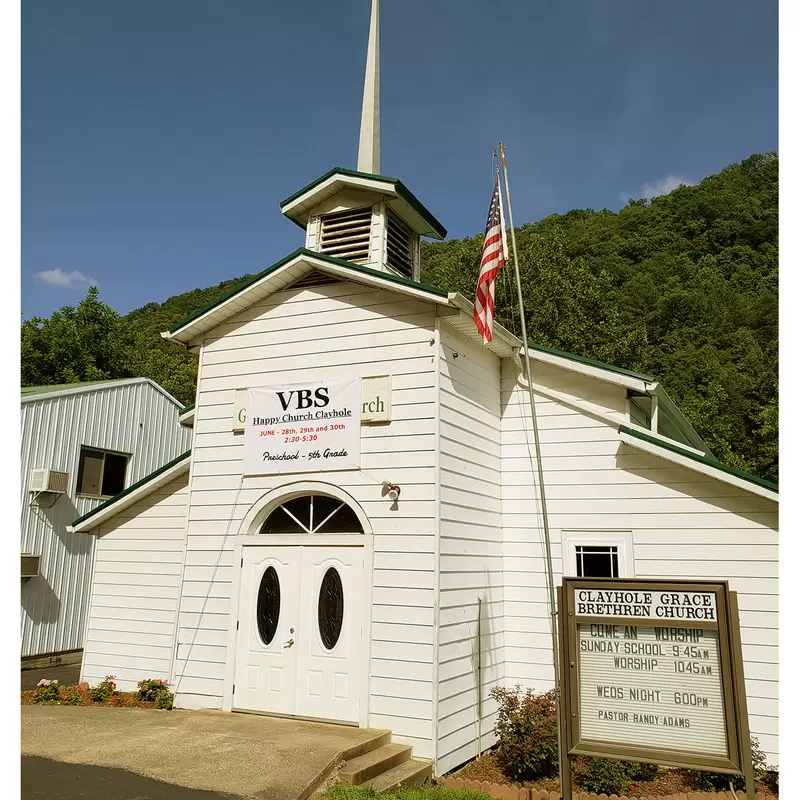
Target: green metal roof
(133,487)
(186,409)
(402,192)
(27,391)
(302,251)
(591,362)
(707,460)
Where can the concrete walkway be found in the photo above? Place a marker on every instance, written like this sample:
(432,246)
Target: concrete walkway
(240,754)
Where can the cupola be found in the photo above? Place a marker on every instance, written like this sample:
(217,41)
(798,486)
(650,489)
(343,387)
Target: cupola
(360,215)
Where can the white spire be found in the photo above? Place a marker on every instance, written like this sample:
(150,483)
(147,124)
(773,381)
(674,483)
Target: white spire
(369,141)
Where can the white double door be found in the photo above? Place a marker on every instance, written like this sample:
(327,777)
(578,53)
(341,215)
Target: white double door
(299,639)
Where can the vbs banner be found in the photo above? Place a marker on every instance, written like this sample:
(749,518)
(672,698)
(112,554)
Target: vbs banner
(303,428)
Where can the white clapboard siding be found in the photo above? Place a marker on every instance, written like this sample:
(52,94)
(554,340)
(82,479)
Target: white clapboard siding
(327,332)
(470,548)
(682,524)
(134,601)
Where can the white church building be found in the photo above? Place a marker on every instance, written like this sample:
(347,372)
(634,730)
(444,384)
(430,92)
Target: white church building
(353,595)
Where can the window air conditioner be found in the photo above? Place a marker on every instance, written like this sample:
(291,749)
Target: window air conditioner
(30,566)
(49,480)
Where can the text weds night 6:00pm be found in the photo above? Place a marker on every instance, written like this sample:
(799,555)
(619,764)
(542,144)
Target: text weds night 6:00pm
(327,438)
(651,671)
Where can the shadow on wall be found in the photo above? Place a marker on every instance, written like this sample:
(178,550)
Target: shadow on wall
(703,489)
(487,658)
(37,596)
(39,601)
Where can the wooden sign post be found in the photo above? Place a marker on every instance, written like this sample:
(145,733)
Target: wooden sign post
(651,671)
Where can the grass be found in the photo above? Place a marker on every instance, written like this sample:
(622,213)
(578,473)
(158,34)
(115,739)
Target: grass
(403,793)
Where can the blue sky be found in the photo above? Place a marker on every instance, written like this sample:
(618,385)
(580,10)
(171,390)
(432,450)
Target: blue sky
(158,137)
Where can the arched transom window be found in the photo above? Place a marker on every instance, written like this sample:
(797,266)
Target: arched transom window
(312,513)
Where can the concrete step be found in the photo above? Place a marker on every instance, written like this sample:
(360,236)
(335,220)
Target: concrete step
(379,738)
(360,769)
(410,773)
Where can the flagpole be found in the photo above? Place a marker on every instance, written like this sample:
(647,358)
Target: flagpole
(548,556)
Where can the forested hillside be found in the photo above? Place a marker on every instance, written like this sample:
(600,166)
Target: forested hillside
(684,287)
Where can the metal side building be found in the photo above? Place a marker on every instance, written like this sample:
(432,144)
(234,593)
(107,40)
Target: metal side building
(80,444)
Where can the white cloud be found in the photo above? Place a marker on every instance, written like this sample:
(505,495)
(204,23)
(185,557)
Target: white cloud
(650,190)
(57,277)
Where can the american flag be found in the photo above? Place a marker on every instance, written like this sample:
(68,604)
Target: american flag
(493,256)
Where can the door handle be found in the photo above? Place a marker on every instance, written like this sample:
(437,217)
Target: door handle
(289,643)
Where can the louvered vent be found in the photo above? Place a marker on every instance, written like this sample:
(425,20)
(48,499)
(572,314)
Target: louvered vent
(345,234)
(314,278)
(399,245)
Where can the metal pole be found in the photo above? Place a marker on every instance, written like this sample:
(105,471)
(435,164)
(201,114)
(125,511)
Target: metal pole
(548,557)
(480,689)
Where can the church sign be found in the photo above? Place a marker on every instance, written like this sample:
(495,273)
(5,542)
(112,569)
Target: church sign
(652,671)
(376,402)
(312,427)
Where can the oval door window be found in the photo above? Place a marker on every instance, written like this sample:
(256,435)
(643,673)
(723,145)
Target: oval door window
(268,606)
(330,610)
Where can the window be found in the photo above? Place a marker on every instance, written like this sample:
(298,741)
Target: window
(312,513)
(598,554)
(101,474)
(597,562)
(268,606)
(330,608)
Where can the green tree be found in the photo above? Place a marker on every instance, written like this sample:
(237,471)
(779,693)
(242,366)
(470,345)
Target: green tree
(89,342)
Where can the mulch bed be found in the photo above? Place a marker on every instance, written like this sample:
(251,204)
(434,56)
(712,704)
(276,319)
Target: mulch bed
(485,768)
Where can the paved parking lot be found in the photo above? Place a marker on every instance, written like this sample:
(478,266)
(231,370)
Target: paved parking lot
(70,673)
(43,779)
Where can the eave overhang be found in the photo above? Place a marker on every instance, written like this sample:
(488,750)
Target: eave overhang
(299,206)
(127,497)
(692,459)
(186,416)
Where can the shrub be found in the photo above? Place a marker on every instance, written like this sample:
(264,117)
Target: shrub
(73,698)
(150,689)
(610,776)
(46,692)
(527,733)
(156,691)
(404,793)
(718,781)
(104,689)
(769,780)
(639,771)
(605,775)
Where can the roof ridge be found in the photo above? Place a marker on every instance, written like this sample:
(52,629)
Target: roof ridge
(592,362)
(303,251)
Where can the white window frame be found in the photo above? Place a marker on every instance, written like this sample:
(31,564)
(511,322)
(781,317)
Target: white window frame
(103,452)
(622,540)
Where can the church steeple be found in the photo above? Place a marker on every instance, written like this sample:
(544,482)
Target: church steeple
(369,141)
(362,216)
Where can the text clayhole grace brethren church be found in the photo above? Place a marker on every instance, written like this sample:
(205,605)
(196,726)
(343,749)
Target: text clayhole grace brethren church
(340,577)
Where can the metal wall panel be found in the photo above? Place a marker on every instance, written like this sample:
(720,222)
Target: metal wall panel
(134,418)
